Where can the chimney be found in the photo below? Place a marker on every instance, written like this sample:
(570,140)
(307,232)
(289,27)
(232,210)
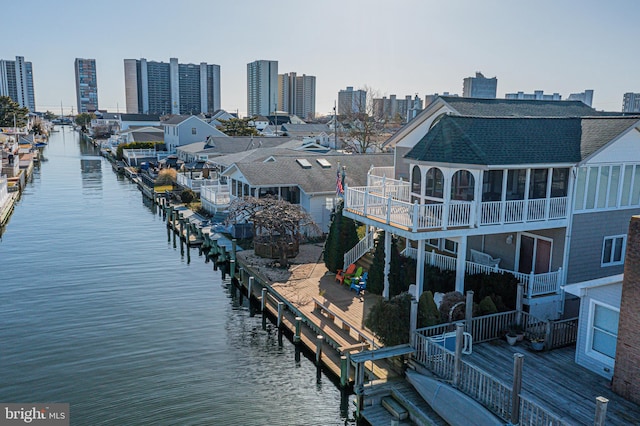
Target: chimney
(626,375)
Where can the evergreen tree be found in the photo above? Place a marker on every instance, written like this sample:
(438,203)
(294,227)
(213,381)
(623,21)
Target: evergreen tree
(343,236)
(375,283)
(11,113)
(428,313)
(390,320)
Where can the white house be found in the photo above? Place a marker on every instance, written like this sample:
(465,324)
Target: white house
(185,129)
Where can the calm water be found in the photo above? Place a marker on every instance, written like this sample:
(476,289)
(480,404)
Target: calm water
(100,310)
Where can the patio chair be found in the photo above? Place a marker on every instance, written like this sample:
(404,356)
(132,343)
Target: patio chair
(340,275)
(360,284)
(349,278)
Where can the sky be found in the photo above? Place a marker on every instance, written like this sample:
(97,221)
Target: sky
(402,47)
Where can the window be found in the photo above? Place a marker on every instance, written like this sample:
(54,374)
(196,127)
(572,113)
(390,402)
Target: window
(194,131)
(434,242)
(450,246)
(613,250)
(603,331)
(462,185)
(434,183)
(416,180)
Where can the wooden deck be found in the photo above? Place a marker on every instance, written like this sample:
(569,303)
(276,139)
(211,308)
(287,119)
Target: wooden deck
(304,286)
(555,381)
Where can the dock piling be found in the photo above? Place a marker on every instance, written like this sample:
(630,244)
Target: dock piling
(296,337)
(263,299)
(280,313)
(319,341)
(249,288)
(344,371)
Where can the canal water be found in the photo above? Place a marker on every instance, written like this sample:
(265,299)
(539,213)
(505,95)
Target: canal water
(100,310)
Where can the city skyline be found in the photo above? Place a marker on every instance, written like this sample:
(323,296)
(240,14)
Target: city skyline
(568,47)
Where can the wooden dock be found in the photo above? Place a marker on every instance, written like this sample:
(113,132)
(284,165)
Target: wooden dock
(327,308)
(555,381)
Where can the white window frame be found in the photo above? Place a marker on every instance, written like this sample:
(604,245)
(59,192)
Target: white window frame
(444,246)
(588,350)
(624,249)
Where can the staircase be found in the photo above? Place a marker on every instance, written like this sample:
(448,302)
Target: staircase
(360,249)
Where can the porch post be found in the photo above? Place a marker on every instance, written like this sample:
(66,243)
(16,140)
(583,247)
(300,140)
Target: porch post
(525,207)
(601,411)
(387,263)
(461,263)
(457,360)
(532,278)
(468,312)
(547,206)
(503,196)
(420,269)
(519,296)
(518,361)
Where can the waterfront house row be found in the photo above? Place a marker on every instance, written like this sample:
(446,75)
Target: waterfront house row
(549,197)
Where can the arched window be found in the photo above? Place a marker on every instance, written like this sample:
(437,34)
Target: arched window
(416,180)
(434,183)
(462,186)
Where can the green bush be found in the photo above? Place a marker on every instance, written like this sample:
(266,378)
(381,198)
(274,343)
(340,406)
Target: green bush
(390,320)
(487,306)
(428,313)
(342,238)
(187,196)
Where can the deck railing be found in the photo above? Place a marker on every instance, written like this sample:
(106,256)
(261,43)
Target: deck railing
(534,284)
(217,195)
(452,214)
(475,382)
(563,333)
(533,414)
(359,250)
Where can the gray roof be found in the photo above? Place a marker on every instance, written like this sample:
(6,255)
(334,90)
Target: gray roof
(517,140)
(140,117)
(285,170)
(146,136)
(305,128)
(176,119)
(520,108)
(231,144)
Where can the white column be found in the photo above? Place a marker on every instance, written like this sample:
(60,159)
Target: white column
(387,264)
(461,263)
(420,270)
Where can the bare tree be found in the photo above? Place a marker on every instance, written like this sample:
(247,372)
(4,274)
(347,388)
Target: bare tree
(364,133)
(277,223)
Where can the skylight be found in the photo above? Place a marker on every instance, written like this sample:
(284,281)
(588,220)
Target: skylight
(303,163)
(324,163)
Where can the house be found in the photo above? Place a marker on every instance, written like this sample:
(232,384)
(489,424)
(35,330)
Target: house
(308,179)
(215,146)
(138,120)
(185,129)
(548,194)
(607,329)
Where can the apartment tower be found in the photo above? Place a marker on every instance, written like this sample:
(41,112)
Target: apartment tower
(16,81)
(171,88)
(297,94)
(86,85)
(262,87)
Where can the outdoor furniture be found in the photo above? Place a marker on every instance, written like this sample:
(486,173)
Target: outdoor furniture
(349,278)
(484,258)
(359,284)
(341,275)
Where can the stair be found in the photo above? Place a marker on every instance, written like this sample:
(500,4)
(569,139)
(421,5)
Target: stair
(365,261)
(394,407)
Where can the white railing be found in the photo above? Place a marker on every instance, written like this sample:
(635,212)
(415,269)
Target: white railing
(194,183)
(363,246)
(372,201)
(534,284)
(217,195)
(383,171)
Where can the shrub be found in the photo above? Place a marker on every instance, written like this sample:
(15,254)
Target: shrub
(428,313)
(487,307)
(342,238)
(452,307)
(390,320)
(166,177)
(187,196)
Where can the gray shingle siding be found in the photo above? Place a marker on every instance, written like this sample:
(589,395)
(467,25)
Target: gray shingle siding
(587,234)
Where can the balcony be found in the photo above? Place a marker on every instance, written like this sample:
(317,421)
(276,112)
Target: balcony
(388,201)
(534,284)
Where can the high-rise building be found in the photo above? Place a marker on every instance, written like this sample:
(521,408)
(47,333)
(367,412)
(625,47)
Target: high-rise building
(394,109)
(262,87)
(16,81)
(171,88)
(297,94)
(86,85)
(352,101)
(631,102)
(586,97)
(537,95)
(480,87)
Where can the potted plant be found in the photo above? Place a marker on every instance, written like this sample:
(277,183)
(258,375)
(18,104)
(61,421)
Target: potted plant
(512,338)
(537,343)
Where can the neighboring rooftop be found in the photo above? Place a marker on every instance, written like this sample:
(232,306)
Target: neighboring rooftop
(521,108)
